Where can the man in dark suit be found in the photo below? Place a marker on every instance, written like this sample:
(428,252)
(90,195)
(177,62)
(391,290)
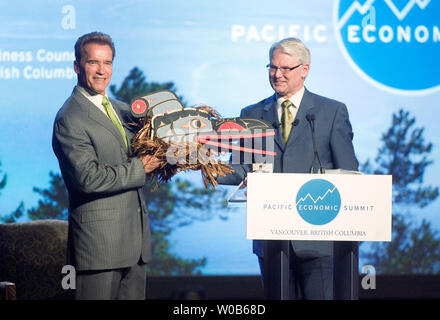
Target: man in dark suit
(109,241)
(292,111)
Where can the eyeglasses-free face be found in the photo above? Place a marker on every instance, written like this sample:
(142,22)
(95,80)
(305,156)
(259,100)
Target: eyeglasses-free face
(95,68)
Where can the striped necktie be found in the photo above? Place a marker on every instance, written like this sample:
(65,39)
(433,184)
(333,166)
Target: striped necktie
(111,114)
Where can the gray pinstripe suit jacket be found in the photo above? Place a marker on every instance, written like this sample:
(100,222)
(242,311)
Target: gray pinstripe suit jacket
(108,223)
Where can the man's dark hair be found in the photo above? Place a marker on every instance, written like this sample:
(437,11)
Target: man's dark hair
(93,37)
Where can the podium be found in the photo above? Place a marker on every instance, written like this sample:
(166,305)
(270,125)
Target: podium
(341,208)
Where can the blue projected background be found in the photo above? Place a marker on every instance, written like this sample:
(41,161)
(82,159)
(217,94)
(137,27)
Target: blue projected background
(215,52)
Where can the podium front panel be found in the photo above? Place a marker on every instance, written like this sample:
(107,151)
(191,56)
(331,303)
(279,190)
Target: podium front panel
(329,207)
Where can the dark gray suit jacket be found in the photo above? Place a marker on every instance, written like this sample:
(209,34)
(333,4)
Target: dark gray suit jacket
(108,223)
(334,143)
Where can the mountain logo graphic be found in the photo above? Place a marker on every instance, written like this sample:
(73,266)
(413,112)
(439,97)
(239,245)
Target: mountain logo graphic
(392,44)
(318,202)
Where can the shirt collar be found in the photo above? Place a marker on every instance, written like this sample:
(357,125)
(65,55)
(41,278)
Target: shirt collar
(295,99)
(96,99)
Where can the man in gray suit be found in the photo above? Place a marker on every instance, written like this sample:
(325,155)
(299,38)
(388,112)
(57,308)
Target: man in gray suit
(294,111)
(109,241)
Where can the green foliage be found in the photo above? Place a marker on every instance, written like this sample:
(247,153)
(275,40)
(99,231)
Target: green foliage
(17,213)
(172,205)
(54,203)
(165,263)
(3,179)
(180,203)
(14,215)
(135,85)
(404,155)
(414,249)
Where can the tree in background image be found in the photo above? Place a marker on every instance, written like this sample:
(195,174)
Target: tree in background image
(53,204)
(404,155)
(3,178)
(172,205)
(135,85)
(175,204)
(17,213)
(54,201)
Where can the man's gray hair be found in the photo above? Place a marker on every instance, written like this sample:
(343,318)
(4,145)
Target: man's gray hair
(294,47)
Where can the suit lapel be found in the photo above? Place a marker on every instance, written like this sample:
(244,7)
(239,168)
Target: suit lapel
(129,134)
(270,115)
(98,116)
(305,108)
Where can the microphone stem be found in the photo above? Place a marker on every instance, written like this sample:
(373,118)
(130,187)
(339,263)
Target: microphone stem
(315,147)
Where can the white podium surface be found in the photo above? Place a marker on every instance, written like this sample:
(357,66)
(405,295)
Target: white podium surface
(330,207)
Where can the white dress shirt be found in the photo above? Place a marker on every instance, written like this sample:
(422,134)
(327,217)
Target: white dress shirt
(295,99)
(97,101)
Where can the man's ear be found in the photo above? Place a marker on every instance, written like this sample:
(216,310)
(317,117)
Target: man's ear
(76,66)
(305,70)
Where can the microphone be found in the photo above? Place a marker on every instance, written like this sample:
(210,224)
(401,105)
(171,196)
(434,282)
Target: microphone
(311,119)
